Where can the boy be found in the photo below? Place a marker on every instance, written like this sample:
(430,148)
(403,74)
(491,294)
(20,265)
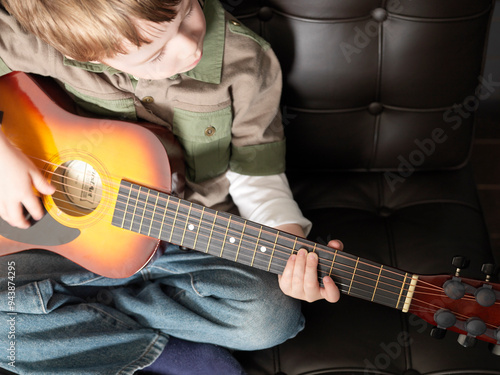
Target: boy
(191,67)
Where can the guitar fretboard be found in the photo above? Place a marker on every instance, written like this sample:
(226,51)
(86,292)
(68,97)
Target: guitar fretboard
(174,220)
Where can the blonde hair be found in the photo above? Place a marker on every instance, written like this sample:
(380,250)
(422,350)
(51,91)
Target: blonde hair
(90,30)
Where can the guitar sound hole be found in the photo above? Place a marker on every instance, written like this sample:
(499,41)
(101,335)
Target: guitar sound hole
(78,188)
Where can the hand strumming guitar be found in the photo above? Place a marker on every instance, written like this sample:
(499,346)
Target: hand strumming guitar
(18,178)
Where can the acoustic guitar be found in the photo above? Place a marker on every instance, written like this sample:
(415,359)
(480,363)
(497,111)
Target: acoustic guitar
(118,196)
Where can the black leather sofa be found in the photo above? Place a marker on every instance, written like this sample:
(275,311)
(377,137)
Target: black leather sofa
(379,105)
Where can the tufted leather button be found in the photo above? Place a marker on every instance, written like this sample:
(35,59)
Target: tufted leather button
(148,100)
(384,211)
(209,131)
(379,14)
(375,108)
(265,13)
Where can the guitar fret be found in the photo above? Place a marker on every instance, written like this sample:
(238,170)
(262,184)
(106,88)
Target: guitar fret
(294,246)
(225,236)
(240,242)
(256,246)
(376,283)
(401,291)
(186,224)
(332,263)
(274,249)
(211,232)
(156,216)
(147,219)
(162,226)
(198,229)
(353,273)
(153,215)
(173,223)
(134,210)
(143,215)
(314,248)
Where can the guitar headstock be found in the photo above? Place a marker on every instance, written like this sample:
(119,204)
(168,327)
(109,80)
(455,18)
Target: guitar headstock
(467,306)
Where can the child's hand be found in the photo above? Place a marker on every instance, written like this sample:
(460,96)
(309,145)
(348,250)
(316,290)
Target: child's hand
(18,176)
(300,277)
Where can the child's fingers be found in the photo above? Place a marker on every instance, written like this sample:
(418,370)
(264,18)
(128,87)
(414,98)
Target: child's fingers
(336,244)
(13,214)
(311,285)
(34,207)
(299,270)
(41,184)
(330,292)
(285,279)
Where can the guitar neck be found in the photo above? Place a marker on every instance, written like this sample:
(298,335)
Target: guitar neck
(174,220)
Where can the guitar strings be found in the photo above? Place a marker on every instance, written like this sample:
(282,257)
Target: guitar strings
(423,306)
(347,271)
(415,300)
(431,286)
(418,305)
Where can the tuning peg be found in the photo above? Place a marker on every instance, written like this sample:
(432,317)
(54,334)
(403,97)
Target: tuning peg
(466,341)
(495,349)
(444,319)
(459,262)
(474,327)
(485,296)
(438,333)
(488,269)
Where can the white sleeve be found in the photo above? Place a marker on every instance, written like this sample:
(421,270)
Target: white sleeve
(266,200)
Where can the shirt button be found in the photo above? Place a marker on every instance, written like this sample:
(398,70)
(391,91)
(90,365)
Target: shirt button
(209,131)
(235,23)
(148,100)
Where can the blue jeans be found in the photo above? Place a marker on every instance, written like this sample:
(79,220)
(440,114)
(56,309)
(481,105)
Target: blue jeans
(67,320)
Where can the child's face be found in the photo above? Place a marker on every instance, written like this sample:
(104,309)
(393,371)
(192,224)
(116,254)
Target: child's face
(175,47)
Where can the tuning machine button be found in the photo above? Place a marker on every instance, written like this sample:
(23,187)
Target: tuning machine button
(459,262)
(466,341)
(454,288)
(474,327)
(438,333)
(495,349)
(444,319)
(485,296)
(488,269)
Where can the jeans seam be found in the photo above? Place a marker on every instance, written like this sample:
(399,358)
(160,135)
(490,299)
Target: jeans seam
(86,281)
(124,324)
(148,349)
(40,297)
(193,286)
(167,270)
